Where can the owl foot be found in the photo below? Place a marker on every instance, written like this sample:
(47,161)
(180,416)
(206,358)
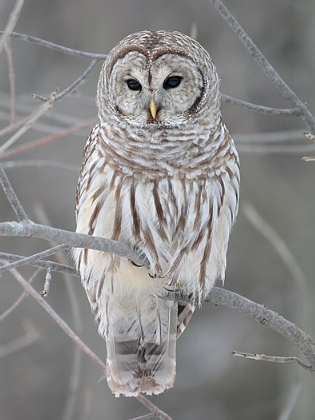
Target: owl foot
(142,257)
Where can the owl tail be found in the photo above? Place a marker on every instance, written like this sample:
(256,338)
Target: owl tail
(141,345)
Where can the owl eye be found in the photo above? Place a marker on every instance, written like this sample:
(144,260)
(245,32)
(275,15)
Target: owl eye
(172,82)
(133,84)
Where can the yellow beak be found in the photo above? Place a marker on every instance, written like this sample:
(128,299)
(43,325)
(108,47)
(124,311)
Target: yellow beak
(153,109)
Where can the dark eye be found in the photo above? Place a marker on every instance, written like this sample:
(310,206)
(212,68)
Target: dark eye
(133,84)
(172,82)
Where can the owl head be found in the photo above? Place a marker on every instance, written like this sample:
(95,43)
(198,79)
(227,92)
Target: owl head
(158,79)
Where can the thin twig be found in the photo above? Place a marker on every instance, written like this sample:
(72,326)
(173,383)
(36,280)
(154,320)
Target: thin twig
(264,64)
(19,300)
(30,121)
(8,50)
(259,108)
(35,257)
(56,47)
(78,81)
(12,197)
(266,316)
(153,408)
(47,139)
(272,359)
(310,137)
(59,268)
(14,16)
(45,291)
(144,417)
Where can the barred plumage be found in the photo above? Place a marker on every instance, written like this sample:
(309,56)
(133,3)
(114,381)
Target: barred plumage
(165,182)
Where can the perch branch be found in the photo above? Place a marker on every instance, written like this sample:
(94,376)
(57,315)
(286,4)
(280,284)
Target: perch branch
(76,240)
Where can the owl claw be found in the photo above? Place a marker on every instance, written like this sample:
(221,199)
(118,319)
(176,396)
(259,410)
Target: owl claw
(142,257)
(156,276)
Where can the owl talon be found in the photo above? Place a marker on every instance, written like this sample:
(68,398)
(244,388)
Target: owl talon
(142,257)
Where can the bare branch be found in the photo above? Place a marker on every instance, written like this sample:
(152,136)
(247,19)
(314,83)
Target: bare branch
(78,81)
(76,240)
(56,47)
(59,268)
(33,258)
(262,109)
(218,296)
(272,359)
(29,122)
(153,408)
(6,313)
(144,417)
(8,50)
(45,291)
(264,64)
(310,137)
(73,85)
(266,316)
(40,142)
(14,16)
(12,197)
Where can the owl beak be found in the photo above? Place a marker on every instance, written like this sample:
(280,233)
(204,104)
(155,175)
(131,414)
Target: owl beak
(153,109)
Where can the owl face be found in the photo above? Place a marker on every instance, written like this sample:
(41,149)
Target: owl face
(158,79)
(164,91)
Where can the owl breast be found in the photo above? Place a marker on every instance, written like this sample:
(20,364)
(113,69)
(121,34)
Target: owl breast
(182,225)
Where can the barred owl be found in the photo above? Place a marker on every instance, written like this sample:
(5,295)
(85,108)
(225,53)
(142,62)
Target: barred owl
(161,174)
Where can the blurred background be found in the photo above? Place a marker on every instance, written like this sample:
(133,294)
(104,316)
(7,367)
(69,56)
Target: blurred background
(46,376)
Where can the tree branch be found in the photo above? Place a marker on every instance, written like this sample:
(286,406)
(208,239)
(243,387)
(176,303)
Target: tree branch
(264,64)
(271,359)
(33,258)
(266,316)
(262,109)
(57,267)
(14,16)
(56,47)
(12,197)
(76,240)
